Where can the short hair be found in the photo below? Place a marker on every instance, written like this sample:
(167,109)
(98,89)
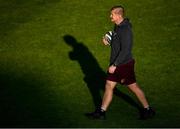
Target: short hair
(120,9)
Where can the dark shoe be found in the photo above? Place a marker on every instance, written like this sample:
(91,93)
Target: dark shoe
(98,114)
(147,113)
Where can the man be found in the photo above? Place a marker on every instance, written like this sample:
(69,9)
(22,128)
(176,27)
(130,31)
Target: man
(121,69)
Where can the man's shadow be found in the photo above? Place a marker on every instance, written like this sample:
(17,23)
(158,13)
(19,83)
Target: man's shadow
(94,76)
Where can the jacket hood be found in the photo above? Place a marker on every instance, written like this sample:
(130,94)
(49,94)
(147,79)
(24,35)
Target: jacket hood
(126,21)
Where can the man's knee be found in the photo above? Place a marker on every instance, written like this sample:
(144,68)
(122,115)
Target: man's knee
(110,85)
(135,88)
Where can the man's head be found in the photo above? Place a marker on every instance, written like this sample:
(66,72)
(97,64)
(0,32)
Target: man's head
(117,14)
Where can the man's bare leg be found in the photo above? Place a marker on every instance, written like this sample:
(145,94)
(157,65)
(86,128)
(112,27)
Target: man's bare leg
(139,94)
(107,98)
(147,112)
(108,94)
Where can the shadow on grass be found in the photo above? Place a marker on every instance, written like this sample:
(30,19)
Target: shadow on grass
(94,75)
(25,101)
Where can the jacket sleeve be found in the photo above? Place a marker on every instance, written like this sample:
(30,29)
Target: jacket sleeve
(125,38)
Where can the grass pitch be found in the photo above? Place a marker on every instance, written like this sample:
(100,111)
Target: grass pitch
(52,61)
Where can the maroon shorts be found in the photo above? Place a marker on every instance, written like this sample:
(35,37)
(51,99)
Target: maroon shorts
(124,74)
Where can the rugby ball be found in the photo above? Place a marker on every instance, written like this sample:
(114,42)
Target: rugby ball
(108,36)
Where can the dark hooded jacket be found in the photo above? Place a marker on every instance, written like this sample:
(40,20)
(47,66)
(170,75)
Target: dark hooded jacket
(121,44)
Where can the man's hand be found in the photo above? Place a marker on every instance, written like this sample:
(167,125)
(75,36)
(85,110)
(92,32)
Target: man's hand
(112,69)
(105,42)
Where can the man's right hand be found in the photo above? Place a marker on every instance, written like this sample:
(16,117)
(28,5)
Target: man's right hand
(105,42)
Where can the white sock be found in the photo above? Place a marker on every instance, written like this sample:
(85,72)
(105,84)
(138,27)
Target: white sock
(147,107)
(103,109)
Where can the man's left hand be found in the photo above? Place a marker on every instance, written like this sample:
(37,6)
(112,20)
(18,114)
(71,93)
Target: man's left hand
(112,69)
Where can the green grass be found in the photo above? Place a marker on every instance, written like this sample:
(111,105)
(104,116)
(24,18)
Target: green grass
(42,77)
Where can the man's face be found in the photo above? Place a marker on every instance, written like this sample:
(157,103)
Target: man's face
(114,16)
